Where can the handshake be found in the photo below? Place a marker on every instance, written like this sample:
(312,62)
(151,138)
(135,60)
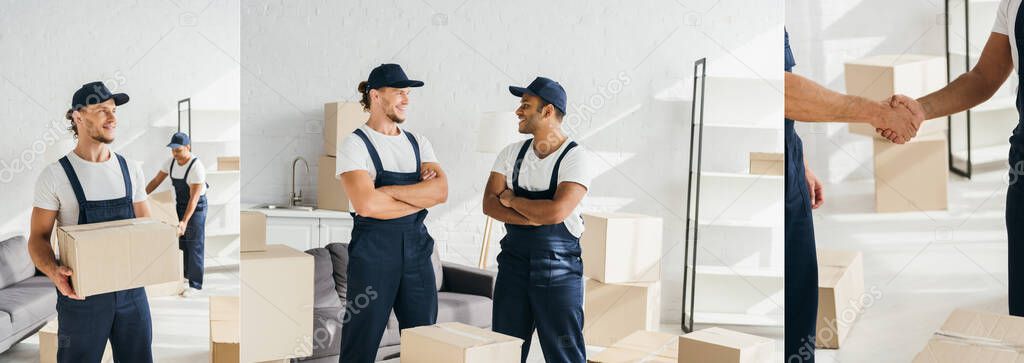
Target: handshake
(900,120)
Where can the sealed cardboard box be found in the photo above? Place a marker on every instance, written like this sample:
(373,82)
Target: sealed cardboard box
(224,333)
(717,345)
(641,346)
(276,304)
(48,345)
(162,208)
(330,193)
(911,177)
(879,77)
(970,336)
(613,311)
(340,119)
(119,255)
(840,288)
(767,164)
(621,247)
(458,343)
(171,288)
(228,163)
(253,226)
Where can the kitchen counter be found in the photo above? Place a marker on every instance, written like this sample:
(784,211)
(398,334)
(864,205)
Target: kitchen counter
(293,213)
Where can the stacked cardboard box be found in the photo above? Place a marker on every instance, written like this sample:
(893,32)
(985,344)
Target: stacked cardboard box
(912,176)
(119,255)
(840,288)
(48,345)
(458,343)
(767,164)
(228,163)
(224,333)
(717,345)
(974,337)
(641,346)
(622,264)
(277,296)
(340,120)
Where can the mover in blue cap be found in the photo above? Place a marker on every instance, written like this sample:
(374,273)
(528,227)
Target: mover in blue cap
(535,188)
(92,184)
(391,177)
(189,182)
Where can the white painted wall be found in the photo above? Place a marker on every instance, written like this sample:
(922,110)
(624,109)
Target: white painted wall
(826,34)
(625,65)
(156,51)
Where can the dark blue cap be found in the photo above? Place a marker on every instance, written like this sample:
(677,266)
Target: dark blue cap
(93,93)
(390,75)
(546,89)
(179,139)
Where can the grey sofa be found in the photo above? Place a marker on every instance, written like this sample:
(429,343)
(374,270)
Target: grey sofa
(464,295)
(27,299)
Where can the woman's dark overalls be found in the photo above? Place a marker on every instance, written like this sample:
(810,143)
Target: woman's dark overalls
(540,280)
(389,267)
(192,243)
(1015,192)
(801,271)
(84,326)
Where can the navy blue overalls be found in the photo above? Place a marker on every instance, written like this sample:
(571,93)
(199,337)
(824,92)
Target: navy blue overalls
(389,267)
(1015,192)
(192,243)
(801,297)
(540,280)
(84,326)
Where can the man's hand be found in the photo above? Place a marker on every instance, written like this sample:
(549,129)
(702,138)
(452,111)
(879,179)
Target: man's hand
(181,228)
(815,188)
(506,198)
(427,174)
(906,112)
(61,278)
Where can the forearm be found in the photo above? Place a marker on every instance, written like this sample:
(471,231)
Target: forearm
(42,254)
(190,209)
(494,209)
(424,194)
(380,205)
(541,211)
(152,185)
(968,90)
(810,102)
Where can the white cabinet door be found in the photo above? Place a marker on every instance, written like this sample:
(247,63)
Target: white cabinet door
(299,233)
(335,230)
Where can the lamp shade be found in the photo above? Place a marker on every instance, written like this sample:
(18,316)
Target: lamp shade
(497,130)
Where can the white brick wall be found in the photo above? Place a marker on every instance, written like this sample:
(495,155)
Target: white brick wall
(826,34)
(299,55)
(156,51)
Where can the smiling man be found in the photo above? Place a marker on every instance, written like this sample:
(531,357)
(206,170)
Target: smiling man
(391,177)
(90,185)
(535,188)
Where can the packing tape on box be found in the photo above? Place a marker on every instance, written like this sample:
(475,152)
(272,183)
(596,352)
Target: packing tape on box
(463,333)
(657,352)
(978,341)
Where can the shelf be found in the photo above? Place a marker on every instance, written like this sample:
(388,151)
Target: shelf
(985,155)
(737,319)
(739,272)
(712,174)
(723,222)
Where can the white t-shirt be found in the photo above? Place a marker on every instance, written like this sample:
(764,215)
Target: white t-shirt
(100,181)
(195,176)
(535,173)
(396,153)
(1006,20)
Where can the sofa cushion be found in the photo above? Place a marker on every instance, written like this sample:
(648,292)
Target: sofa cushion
(326,332)
(435,260)
(15,262)
(6,326)
(29,301)
(339,260)
(324,293)
(467,309)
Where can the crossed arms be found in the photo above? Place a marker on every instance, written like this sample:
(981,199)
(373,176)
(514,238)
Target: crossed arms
(501,203)
(393,201)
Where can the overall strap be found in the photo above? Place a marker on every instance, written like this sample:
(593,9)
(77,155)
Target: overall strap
(126,176)
(519,162)
(73,178)
(415,149)
(558,164)
(189,168)
(372,150)
(170,169)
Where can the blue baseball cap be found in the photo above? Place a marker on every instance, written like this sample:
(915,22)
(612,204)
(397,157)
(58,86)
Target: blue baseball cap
(547,89)
(94,93)
(179,139)
(390,75)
